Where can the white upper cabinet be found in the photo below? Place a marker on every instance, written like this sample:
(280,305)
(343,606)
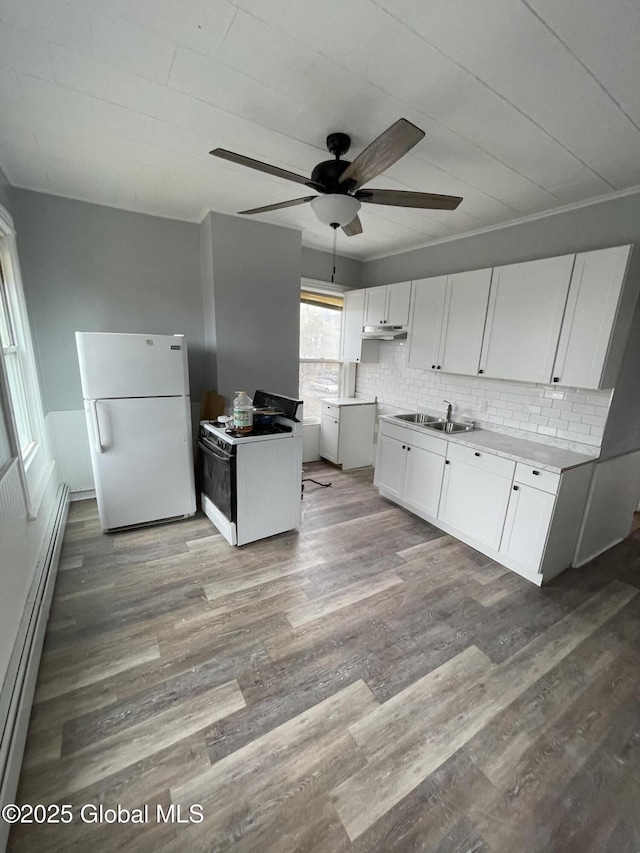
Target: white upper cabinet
(375,306)
(464,317)
(526,306)
(447,321)
(352,347)
(388,305)
(427,309)
(590,341)
(398,301)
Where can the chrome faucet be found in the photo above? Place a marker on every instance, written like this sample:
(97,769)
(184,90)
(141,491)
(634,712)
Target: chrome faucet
(449,410)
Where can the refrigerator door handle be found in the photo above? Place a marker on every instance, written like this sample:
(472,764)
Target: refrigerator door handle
(96,425)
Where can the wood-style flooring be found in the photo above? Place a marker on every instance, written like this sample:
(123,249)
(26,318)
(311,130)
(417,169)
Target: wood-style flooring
(363,685)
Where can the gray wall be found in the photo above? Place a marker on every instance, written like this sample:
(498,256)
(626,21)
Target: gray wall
(92,268)
(319,265)
(594,226)
(256,304)
(5,189)
(208,303)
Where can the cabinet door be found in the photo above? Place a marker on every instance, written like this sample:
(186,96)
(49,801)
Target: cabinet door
(592,306)
(375,308)
(329,438)
(352,347)
(398,303)
(427,307)
(526,305)
(423,480)
(390,463)
(474,501)
(352,322)
(464,319)
(527,526)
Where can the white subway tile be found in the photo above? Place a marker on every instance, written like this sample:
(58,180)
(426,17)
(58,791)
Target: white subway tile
(594,420)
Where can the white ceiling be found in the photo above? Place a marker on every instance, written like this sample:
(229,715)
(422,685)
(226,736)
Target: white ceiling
(527,105)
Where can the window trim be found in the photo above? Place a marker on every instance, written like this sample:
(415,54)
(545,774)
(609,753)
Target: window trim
(34,461)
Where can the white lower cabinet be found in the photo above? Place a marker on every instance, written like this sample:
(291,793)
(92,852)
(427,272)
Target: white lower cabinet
(391,459)
(475,493)
(410,471)
(346,432)
(526,518)
(527,525)
(329,437)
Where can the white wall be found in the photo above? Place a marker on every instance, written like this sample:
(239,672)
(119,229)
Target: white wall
(569,417)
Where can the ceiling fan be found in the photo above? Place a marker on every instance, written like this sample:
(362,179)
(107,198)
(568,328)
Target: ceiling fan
(340,181)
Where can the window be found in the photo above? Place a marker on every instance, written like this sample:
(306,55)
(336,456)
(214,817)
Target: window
(24,418)
(14,370)
(320,323)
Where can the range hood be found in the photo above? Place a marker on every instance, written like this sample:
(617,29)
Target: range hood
(384,333)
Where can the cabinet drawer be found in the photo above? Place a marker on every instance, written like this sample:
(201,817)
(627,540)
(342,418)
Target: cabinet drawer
(416,439)
(481,459)
(331,411)
(546,481)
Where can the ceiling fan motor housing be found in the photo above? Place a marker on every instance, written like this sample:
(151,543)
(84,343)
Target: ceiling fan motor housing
(328,173)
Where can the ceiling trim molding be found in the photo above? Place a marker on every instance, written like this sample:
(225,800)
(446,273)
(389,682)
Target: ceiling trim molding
(511,223)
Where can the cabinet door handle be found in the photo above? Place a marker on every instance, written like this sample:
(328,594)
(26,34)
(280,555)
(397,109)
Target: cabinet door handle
(404,446)
(556,379)
(433,367)
(481,371)
(535,473)
(408,448)
(476,453)
(438,367)
(515,488)
(446,461)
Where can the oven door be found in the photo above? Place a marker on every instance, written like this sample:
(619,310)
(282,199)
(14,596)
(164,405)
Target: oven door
(218,479)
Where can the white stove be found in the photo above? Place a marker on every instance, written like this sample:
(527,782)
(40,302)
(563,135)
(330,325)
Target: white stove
(252,484)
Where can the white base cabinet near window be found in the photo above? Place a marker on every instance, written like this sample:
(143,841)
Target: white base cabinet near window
(346,432)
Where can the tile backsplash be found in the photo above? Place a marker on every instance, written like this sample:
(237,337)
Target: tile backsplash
(573,418)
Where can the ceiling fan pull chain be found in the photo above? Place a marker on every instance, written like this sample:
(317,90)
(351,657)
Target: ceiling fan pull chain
(335,239)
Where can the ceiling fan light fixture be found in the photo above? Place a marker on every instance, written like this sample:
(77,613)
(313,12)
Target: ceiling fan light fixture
(335,209)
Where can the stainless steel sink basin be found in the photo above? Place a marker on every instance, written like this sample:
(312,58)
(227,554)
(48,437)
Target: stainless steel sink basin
(420,418)
(452,426)
(432,422)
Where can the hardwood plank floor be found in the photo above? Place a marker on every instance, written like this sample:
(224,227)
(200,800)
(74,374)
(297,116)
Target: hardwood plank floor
(366,684)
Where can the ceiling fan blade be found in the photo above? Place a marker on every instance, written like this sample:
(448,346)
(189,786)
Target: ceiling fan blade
(259,166)
(401,198)
(279,205)
(354,227)
(382,152)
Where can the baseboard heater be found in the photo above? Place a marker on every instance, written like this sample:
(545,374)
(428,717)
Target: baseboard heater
(17,692)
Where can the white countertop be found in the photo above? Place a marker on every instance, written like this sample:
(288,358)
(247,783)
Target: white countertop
(347,401)
(544,456)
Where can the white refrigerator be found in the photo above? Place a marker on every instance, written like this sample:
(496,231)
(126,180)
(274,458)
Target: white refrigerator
(137,405)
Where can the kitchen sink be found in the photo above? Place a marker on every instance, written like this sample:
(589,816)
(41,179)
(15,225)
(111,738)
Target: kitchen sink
(420,418)
(452,426)
(432,422)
